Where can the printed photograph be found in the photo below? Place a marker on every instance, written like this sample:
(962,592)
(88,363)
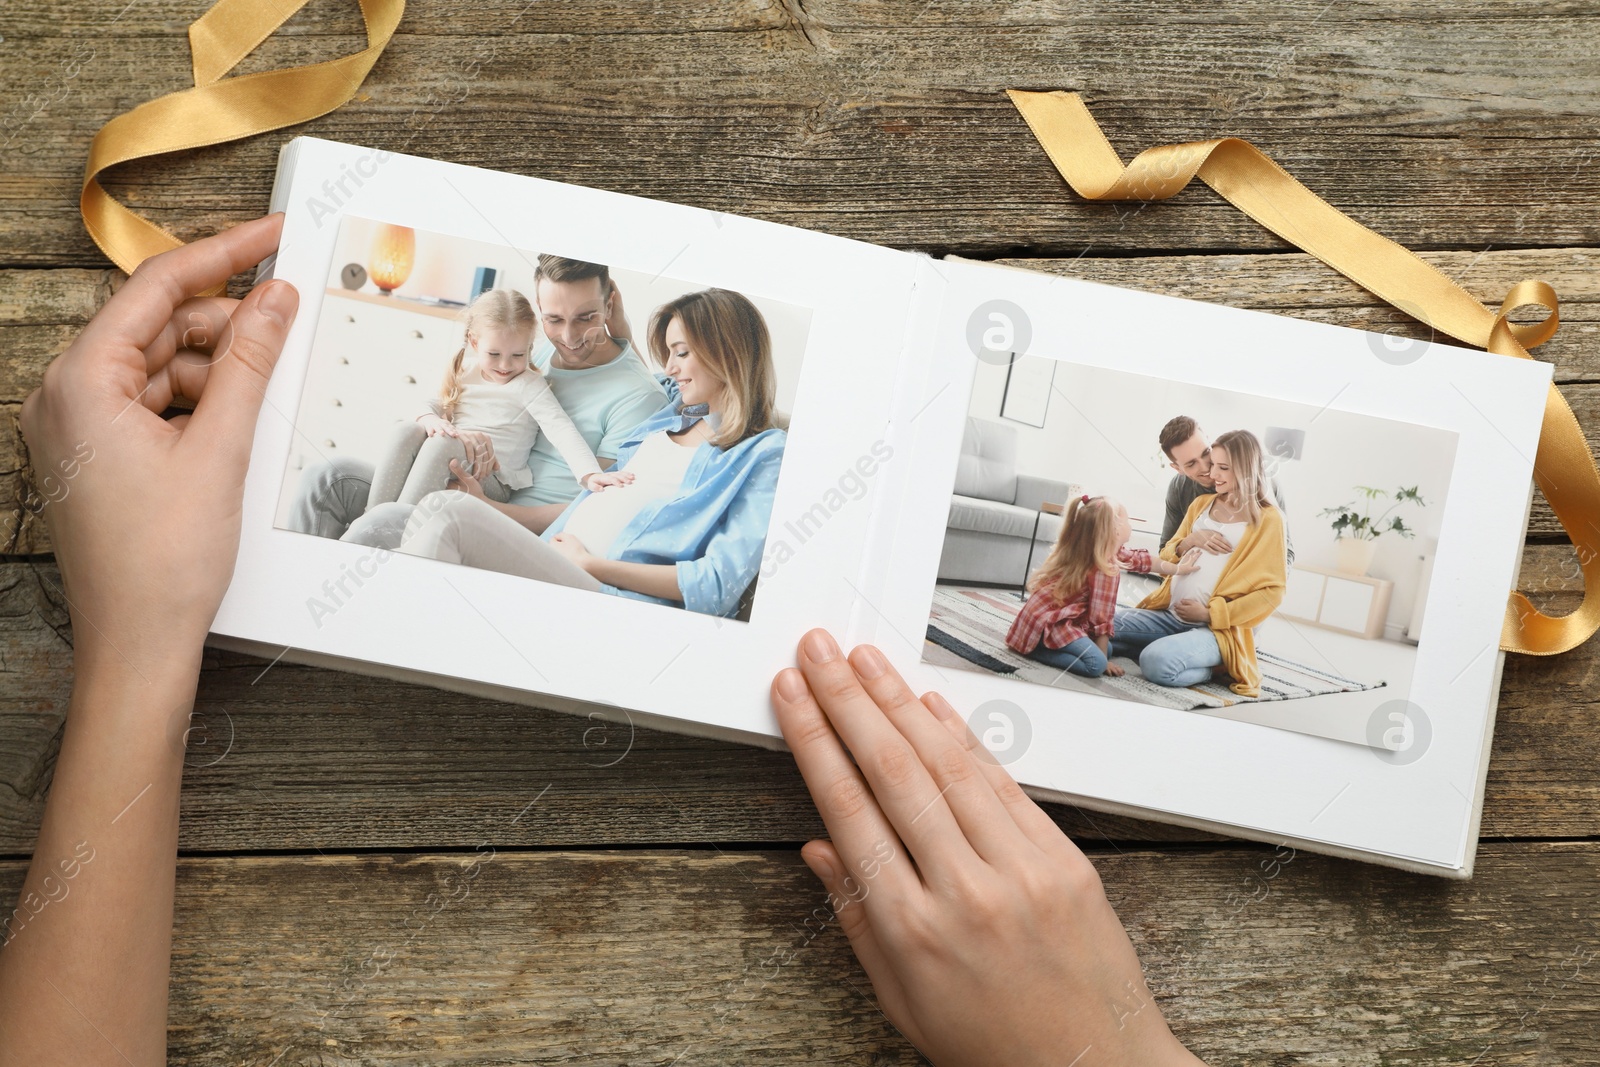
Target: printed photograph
(579,423)
(1188,547)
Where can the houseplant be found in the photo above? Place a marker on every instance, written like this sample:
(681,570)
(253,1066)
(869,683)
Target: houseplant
(1356,530)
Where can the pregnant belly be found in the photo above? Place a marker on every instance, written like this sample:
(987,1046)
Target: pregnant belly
(1199,585)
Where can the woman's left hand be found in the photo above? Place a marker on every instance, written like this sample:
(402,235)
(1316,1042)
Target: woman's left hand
(143,511)
(573,549)
(1191,610)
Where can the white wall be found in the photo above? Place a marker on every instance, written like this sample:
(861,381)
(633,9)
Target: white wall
(1101,430)
(445,266)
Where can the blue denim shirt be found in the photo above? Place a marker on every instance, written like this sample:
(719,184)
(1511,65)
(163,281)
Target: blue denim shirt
(714,529)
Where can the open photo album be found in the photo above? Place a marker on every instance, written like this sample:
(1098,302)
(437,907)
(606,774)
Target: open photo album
(609,455)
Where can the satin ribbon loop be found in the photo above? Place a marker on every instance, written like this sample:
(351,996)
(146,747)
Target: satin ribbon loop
(1529,293)
(1239,172)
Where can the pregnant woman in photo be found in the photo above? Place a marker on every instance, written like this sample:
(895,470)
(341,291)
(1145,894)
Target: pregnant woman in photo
(690,527)
(1206,619)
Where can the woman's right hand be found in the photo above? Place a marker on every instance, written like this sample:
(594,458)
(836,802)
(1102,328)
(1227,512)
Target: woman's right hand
(984,931)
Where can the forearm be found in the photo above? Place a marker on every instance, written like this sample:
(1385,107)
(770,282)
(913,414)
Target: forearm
(90,938)
(652,579)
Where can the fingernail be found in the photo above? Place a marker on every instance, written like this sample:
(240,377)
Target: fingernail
(870,662)
(791,684)
(279,301)
(937,704)
(820,647)
(821,868)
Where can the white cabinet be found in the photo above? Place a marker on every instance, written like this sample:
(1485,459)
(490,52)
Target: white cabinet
(1353,604)
(374,360)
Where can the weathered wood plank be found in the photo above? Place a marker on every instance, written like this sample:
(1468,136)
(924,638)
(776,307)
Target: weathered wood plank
(878,121)
(292,757)
(495,956)
(40,311)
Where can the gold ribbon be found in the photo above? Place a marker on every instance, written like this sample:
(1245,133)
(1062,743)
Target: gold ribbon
(1236,169)
(217,110)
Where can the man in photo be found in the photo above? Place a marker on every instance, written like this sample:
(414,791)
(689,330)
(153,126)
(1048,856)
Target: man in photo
(1186,448)
(600,380)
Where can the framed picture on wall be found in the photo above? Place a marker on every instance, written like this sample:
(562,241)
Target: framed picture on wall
(1027,392)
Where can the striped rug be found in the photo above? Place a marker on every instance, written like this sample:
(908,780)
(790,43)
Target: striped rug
(970,623)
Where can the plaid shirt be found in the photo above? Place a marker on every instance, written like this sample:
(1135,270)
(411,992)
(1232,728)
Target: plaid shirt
(1086,613)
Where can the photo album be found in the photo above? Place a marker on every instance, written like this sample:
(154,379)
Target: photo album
(613,456)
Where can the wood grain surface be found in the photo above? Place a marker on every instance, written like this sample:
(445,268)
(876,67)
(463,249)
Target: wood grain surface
(655,911)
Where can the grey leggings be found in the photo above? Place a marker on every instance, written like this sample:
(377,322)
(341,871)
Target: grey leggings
(412,465)
(459,528)
(448,525)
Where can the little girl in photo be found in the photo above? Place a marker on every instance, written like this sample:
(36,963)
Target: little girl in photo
(499,393)
(1066,621)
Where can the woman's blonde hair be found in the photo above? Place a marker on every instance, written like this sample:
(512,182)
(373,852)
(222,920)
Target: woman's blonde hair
(726,332)
(1087,543)
(494,309)
(1244,457)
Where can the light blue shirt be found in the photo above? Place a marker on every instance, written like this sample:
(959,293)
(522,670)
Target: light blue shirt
(714,529)
(603,402)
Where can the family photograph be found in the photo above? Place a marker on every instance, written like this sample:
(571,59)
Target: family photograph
(545,417)
(1188,547)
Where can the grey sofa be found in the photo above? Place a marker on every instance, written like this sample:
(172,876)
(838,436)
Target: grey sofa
(994,508)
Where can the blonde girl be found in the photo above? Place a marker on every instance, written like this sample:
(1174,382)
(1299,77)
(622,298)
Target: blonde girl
(1067,621)
(493,389)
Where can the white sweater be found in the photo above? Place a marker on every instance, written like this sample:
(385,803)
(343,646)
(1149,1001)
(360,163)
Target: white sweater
(512,415)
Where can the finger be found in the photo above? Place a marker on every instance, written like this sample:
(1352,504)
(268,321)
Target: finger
(846,897)
(225,416)
(198,324)
(143,306)
(904,789)
(978,812)
(1029,817)
(182,376)
(856,824)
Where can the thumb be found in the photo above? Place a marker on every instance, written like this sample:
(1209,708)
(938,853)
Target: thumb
(225,414)
(847,896)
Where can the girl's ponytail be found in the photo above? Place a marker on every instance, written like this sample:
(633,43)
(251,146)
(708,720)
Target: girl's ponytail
(450,390)
(1084,545)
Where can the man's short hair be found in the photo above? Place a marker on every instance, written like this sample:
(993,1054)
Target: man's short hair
(561,269)
(1176,432)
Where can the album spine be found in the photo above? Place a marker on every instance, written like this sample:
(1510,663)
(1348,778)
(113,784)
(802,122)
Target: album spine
(926,297)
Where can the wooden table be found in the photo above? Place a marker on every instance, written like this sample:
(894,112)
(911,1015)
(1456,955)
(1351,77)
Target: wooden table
(631,913)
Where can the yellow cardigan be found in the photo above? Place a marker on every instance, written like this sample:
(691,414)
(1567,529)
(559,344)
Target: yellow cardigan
(1248,590)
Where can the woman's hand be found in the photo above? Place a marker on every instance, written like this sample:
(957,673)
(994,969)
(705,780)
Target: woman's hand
(144,512)
(573,549)
(1189,609)
(985,932)
(597,482)
(480,452)
(436,425)
(1212,541)
(463,480)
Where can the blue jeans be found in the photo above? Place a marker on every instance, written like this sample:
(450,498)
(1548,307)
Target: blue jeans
(1080,656)
(1170,651)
